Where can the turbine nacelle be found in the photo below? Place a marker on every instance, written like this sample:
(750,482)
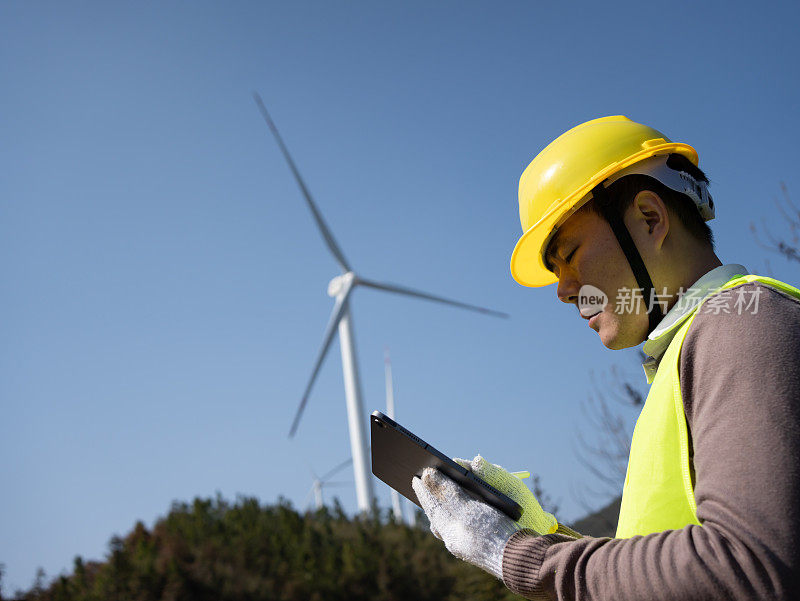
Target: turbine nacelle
(339,285)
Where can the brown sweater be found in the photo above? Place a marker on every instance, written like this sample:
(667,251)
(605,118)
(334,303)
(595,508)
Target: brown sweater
(740,382)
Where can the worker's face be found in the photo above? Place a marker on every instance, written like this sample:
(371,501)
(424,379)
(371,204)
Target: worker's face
(586,253)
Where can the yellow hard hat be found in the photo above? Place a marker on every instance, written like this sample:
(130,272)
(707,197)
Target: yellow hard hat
(561,177)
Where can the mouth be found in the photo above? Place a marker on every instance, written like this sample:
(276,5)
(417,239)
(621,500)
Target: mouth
(591,318)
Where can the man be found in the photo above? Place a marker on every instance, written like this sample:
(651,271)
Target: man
(614,213)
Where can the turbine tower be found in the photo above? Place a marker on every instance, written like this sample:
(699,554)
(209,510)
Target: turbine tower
(340,288)
(397,507)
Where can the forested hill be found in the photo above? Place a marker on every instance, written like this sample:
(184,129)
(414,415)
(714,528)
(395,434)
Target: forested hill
(243,551)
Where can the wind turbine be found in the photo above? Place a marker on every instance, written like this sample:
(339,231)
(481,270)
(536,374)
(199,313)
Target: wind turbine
(340,288)
(397,507)
(321,482)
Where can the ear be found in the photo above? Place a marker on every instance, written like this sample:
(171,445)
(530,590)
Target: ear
(649,218)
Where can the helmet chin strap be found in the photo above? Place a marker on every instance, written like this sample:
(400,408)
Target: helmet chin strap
(623,236)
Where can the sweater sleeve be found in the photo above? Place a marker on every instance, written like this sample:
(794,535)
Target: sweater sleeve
(740,381)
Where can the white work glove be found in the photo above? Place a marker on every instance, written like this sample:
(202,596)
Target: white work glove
(533,516)
(471,529)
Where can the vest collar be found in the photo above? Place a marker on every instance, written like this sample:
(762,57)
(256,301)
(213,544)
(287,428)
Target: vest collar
(657,342)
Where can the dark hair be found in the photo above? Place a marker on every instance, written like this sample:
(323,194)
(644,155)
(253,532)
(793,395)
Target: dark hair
(622,192)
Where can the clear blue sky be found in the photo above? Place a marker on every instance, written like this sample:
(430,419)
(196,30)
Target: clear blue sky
(163,285)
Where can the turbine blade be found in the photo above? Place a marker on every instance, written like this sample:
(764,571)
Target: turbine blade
(389,385)
(336,470)
(311,471)
(419,294)
(330,332)
(323,228)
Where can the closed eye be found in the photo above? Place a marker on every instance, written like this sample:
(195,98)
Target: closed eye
(570,255)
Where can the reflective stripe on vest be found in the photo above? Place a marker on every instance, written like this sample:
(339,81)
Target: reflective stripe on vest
(658,493)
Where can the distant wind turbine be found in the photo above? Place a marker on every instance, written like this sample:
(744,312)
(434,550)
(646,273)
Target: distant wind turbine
(320,482)
(340,288)
(397,507)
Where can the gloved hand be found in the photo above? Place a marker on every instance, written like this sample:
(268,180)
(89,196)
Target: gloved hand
(533,516)
(471,529)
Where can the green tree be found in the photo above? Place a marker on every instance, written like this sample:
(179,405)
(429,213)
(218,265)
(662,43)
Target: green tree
(243,551)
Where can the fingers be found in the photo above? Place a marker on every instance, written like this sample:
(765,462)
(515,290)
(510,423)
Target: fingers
(440,486)
(484,469)
(465,463)
(478,464)
(428,492)
(423,496)
(429,504)
(489,466)
(435,492)
(492,473)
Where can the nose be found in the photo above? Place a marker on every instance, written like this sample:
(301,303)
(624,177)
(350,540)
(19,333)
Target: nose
(567,290)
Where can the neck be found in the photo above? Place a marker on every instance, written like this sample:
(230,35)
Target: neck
(697,268)
(701,268)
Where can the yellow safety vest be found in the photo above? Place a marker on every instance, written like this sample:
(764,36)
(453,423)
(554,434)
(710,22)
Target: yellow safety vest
(658,493)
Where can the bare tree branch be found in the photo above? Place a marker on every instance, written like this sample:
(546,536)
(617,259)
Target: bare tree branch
(602,443)
(791,217)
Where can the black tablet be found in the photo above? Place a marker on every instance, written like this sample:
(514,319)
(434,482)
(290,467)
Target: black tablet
(398,456)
